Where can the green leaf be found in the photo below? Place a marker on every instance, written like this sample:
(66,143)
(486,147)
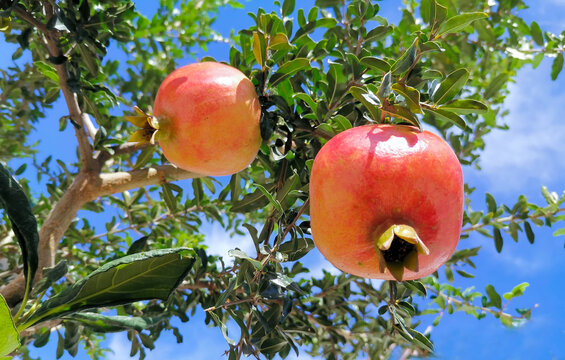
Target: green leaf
(369,100)
(494,297)
(495,85)
(378,33)
(417,286)
(142,276)
(375,63)
(406,60)
(105,323)
(465,106)
(287,7)
(411,95)
(422,340)
(9,337)
(518,290)
(47,70)
(536,33)
(24,225)
(270,197)
(529,232)
(560,232)
(557,66)
(449,274)
(288,69)
(223,328)
(242,255)
(459,22)
(491,203)
(144,157)
(551,198)
(449,116)
(450,86)
(498,242)
(253,201)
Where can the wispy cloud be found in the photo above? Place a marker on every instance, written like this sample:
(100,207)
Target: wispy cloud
(531,152)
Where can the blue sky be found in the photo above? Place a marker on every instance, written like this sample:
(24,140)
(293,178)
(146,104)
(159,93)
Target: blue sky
(518,161)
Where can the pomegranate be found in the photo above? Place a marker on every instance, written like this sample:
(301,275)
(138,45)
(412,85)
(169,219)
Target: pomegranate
(386,201)
(207,119)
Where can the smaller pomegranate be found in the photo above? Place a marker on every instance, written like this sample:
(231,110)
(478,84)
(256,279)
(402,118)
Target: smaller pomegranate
(206,119)
(386,201)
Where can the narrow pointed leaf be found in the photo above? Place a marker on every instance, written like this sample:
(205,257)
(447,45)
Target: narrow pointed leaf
(18,209)
(450,86)
(259,48)
(370,104)
(465,106)
(288,69)
(375,63)
(106,323)
(557,66)
(536,33)
(449,116)
(9,337)
(459,22)
(405,61)
(142,276)
(495,85)
(529,232)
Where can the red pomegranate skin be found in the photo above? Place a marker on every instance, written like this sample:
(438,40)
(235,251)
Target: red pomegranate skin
(208,116)
(368,178)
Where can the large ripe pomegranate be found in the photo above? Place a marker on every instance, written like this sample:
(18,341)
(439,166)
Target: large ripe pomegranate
(207,115)
(386,201)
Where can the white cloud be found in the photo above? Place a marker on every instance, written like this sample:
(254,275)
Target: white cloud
(531,152)
(119,346)
(219,241)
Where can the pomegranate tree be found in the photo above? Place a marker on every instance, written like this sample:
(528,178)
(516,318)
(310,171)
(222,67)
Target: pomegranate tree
(386,201)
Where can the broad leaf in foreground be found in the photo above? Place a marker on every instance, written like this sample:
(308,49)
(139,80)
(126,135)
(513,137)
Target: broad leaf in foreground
(15,202)
(142,276)
(9,339)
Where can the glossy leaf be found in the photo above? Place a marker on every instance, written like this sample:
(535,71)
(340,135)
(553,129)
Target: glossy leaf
(406,60)
(142,276)
(288,69)
(18,209)
(448,116)
(459,22)
(498,241)
(106,323)
(411,96)
(557,66)
(370,103)
(450,86)
(287,7)
(375,63)
(465,106)
(9,337)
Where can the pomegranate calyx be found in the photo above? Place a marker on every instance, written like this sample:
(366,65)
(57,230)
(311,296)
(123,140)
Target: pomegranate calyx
(398,248)
(148,124)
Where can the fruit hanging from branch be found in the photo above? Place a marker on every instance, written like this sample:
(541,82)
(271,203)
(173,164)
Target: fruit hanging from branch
(386,201)
(205,118)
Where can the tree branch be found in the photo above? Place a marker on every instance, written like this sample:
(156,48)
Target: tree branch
(84,188)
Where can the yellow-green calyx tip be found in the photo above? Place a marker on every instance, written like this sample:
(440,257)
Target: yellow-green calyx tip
(406,233)
(398,248)
(148,124)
